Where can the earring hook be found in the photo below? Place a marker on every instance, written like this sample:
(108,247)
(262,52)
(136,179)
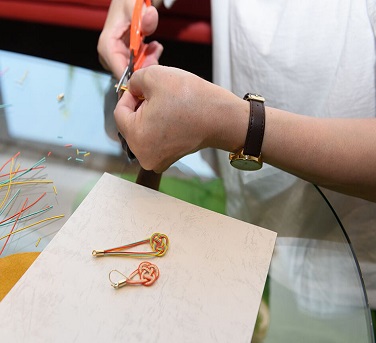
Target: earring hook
(148,273)
(121,282)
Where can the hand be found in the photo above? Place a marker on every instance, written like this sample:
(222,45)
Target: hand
(113,44)
(181,114)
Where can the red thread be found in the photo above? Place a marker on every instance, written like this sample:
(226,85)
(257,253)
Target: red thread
(148,273)
(158,241)
(13,157)
(22,170)
(23,209)
(14,225)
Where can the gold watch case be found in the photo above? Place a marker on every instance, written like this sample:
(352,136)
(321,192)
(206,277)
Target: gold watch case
(245,162)
(238,159)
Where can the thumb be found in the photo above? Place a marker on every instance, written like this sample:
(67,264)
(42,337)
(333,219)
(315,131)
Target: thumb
(149,21)
(138,84)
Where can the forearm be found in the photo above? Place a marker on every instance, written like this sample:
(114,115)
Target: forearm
(185,114)
(339,154)
(335,153)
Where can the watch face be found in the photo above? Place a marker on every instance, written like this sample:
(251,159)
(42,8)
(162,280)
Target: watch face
(244,164)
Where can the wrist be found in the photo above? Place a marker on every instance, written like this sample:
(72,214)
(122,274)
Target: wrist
(229,123)
(249,156)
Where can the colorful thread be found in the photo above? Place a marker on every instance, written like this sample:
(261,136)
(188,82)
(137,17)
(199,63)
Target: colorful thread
(31,225)
(23,78)
(11,179)
(159,243)
(43,210)
(14,225)
(148,273)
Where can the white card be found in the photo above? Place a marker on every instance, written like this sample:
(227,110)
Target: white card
(209,290)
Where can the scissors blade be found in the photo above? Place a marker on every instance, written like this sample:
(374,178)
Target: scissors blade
(127,73)
(121,81)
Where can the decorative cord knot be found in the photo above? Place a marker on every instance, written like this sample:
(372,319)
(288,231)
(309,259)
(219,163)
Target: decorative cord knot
(159,243)
(148,273)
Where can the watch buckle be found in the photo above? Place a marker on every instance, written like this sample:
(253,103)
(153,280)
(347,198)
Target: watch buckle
(257,97)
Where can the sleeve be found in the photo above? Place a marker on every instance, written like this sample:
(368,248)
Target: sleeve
(371,7)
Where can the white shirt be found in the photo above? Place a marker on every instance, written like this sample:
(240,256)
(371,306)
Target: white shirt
(309,57)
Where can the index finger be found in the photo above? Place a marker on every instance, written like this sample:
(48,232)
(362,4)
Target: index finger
(118,64)
(126,104)
(136,84)
(143,82)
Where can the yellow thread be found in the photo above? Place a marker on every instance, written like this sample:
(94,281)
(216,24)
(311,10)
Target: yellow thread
(55,190)
(21,81)
(124,88)
(28,226)
(27,182)
(38,241)
(87,154)
(60,97)
(10,178)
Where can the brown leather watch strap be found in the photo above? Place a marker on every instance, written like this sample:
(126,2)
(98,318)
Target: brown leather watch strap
(256,127)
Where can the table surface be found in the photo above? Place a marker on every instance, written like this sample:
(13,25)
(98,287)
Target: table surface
(63,114)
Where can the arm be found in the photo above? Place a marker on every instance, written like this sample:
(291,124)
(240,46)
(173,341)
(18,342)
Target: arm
(338,154)
(185,113)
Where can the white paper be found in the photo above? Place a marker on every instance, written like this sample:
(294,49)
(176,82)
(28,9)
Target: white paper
(209,290)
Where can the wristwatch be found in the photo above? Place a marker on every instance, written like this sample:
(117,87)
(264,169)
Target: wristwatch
(249,157)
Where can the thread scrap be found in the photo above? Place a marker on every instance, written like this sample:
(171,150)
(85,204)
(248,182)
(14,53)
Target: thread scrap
(13,183)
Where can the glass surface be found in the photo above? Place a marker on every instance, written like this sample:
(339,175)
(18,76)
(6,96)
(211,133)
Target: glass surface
(314,291)
(65,114)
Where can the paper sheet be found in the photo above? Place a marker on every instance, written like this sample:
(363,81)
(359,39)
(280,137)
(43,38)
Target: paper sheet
(209,290)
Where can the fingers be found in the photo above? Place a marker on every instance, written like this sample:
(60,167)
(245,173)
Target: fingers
(118,63)
(112,50)
(124,114)
(137,124)
(125,108)
(140,85)
(149,21)
(113,43)
(169,122)
(153,53)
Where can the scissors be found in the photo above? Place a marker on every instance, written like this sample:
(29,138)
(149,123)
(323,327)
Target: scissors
(137,47)
(137,56)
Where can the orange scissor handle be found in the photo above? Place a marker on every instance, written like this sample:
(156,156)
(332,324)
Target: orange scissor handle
(136,34)
(140,58)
